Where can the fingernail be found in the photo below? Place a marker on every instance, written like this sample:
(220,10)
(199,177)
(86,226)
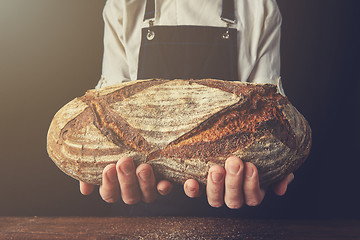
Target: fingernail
(111,175)
(145,175)
(191,189)
(233,168)
(164,191)
(126,168)
(217,177)
(249,172)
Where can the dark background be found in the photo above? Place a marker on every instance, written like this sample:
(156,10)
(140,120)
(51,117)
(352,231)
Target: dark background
(51,52)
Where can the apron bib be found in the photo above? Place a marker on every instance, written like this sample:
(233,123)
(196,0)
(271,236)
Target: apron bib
(184,52)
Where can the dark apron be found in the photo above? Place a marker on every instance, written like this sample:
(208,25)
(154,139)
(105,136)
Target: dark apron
(184,52)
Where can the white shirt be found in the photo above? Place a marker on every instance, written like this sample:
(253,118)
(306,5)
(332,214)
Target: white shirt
(258,25)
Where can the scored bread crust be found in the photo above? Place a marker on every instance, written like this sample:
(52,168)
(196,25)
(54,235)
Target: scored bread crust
(181,128)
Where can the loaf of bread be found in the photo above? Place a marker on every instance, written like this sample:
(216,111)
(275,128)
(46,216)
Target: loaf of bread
(181,128)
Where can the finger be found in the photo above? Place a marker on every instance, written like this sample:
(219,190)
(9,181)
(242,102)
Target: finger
(234,197)
(215,186)
(129,185)
(86,188)
(192,188)
(253,194)
(281,187)
(110,189)
(147,182)
(164,187)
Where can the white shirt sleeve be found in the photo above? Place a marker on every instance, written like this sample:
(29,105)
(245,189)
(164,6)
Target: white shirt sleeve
(259,44)
(261,36)
(115,67)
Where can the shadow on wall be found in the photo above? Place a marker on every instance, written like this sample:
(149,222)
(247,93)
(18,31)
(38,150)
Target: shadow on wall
(51,52)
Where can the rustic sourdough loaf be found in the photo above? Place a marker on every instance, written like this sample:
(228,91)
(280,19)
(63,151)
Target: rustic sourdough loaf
(181,128)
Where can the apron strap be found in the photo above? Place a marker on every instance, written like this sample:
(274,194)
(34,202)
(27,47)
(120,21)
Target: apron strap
(149,10)
(228,11)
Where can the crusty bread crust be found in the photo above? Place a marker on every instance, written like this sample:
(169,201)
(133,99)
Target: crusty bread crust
(181,128)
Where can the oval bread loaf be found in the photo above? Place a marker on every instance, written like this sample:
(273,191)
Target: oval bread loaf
(181,128)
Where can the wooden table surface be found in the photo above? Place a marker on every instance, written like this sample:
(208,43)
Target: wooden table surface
(174,228)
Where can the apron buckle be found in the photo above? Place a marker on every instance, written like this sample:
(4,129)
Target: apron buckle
(151,34)
(226,35)
(228,22)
